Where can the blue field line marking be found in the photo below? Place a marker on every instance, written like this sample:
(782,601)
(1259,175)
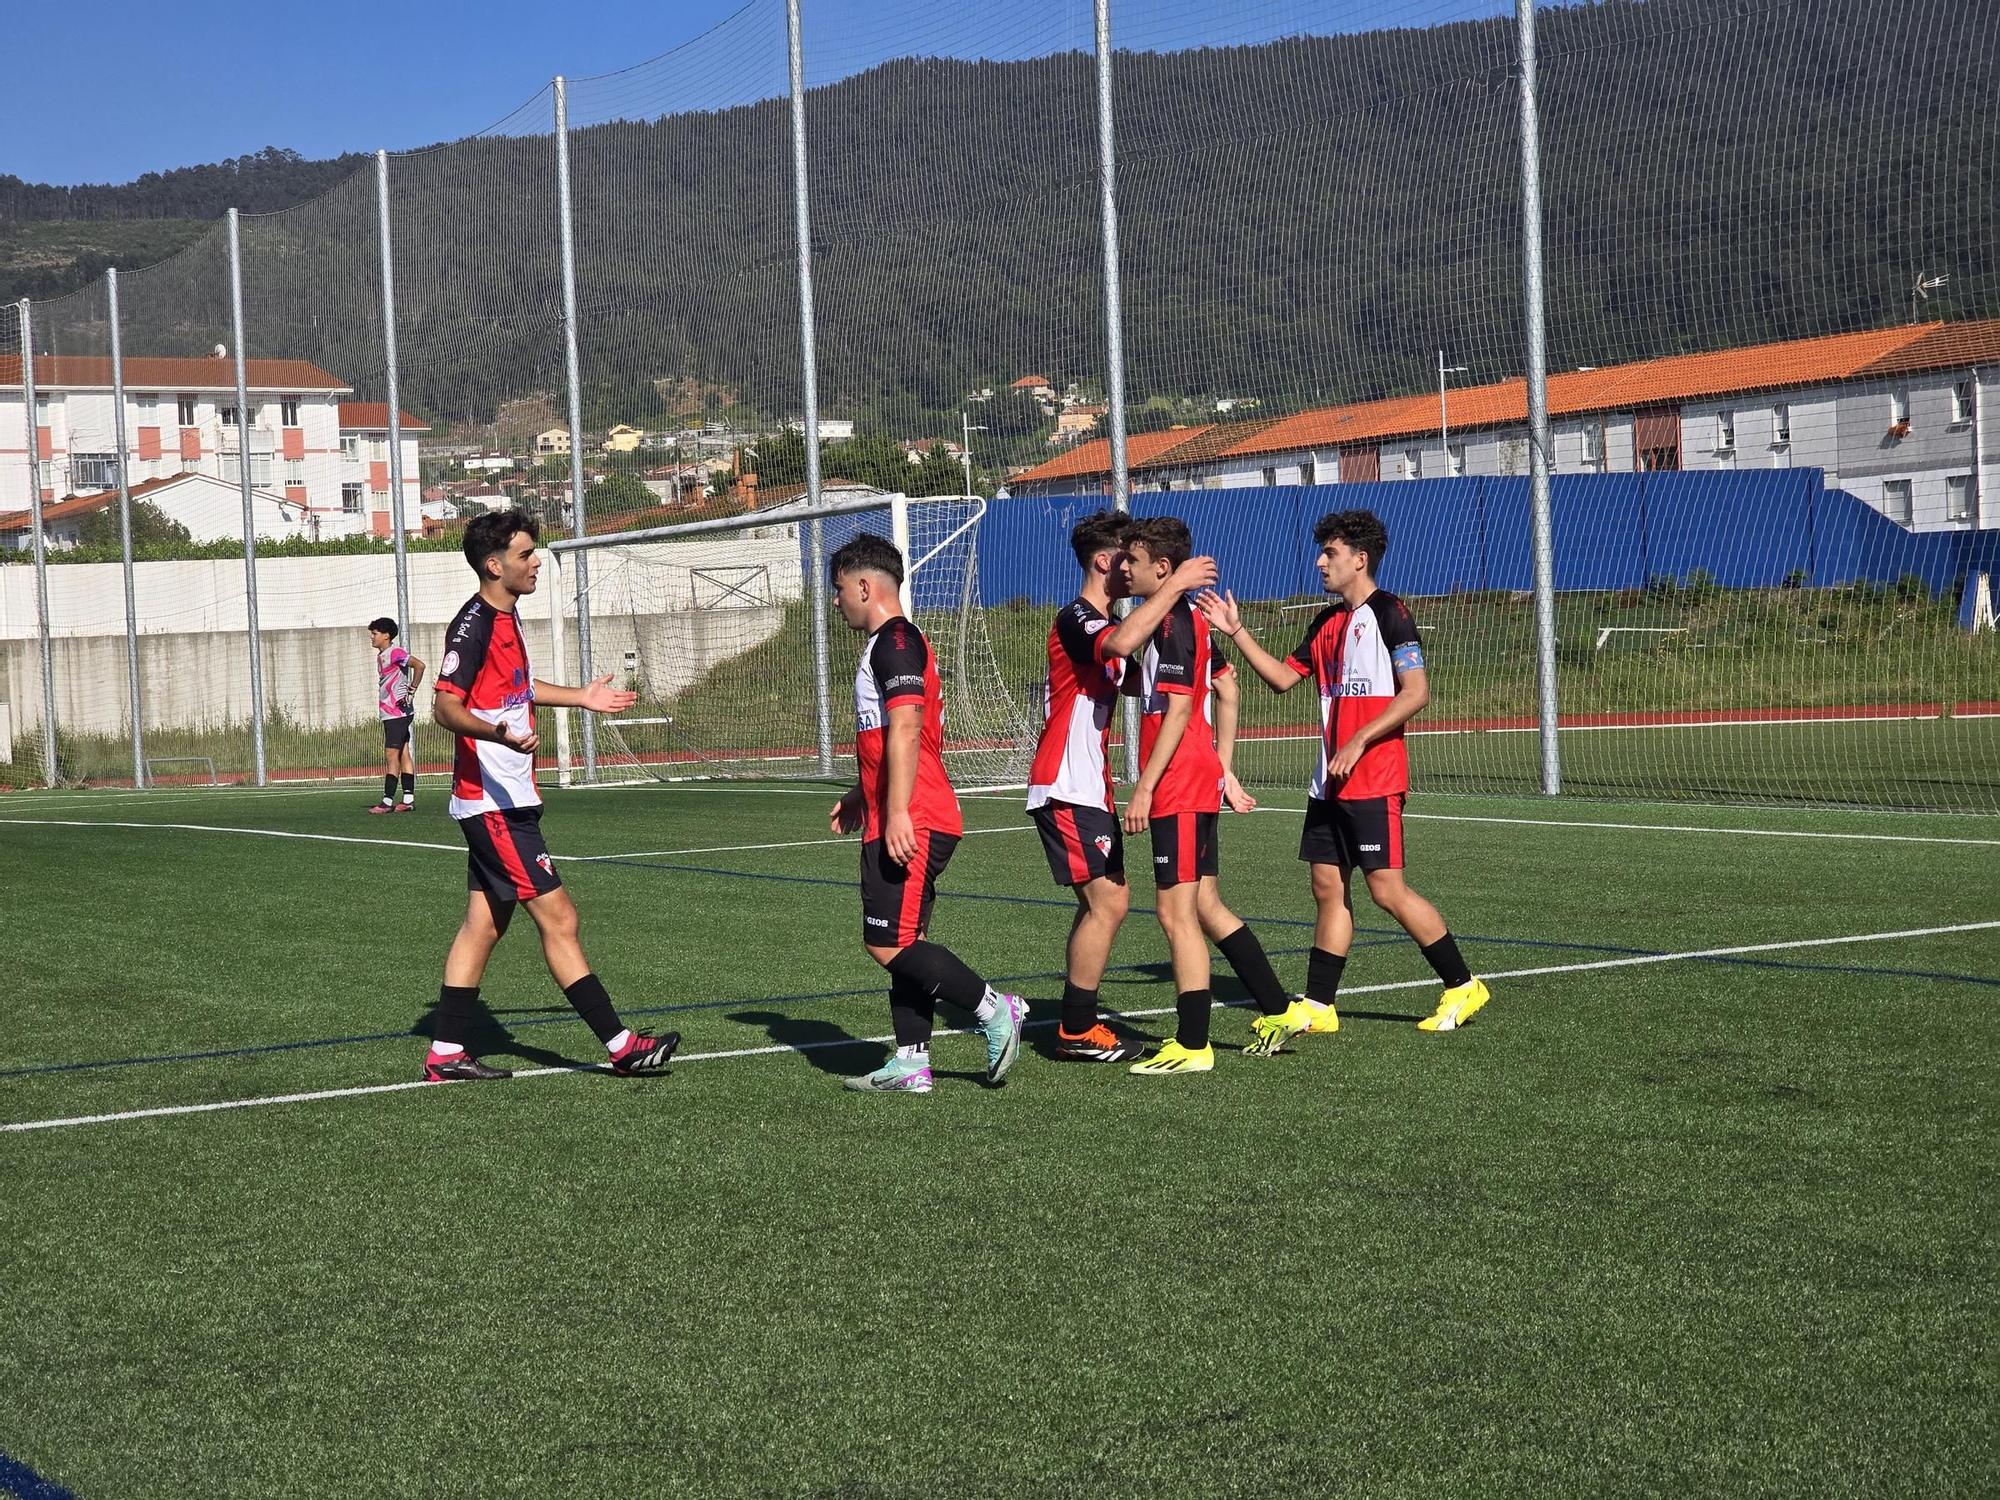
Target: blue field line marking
(18,1479)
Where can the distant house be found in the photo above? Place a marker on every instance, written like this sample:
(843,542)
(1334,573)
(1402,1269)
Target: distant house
(1035,385)
(622,439)
(210,508)
(488,463)
(916,453)
(1074,425)
(554,442)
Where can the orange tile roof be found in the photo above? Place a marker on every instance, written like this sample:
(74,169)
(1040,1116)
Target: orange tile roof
(58,510)
(1029,382)
(1094,457)
(1652,382)
(70,371)
(373,416)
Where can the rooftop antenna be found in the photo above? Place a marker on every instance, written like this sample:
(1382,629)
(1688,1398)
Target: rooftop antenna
(1923,288)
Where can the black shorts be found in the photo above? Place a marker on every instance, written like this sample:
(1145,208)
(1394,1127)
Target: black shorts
(396,733)
(1083,843)
(896,900)
(509,861)
(1183,848)
(1364,833)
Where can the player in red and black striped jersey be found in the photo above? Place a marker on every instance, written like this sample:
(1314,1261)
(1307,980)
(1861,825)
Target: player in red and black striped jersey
(906,812)
(486,696)
(1362,651)
(1185,778)
(1069,782)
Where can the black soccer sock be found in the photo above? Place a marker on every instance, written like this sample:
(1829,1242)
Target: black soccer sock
(456,1007)
(388,789)
(1323,971)
(1443,956)
(409,784)
(912,1012)
(938,972)
(1191,1009)
(1246,956)
(1079,1009)
(592,1001)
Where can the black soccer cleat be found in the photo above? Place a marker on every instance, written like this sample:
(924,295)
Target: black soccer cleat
(645,1053)
(1099,1044)
(464,1068)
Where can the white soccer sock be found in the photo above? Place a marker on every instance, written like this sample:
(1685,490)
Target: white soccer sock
(617,1042)
(446,1049)
(985,1009)
(921,1051)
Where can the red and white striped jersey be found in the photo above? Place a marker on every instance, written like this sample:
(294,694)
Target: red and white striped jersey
(1181,658)
(898,668)
(486,664)
(1357,654)
(1070,762)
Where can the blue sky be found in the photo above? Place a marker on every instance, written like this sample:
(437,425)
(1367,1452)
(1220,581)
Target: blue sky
(115,88)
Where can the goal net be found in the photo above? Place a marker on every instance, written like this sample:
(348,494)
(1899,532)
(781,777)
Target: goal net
(713,625)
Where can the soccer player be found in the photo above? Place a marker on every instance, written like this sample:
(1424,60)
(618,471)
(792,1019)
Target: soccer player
(1179,797)
(1363,652)
(903,805)
(486,696)
(1069,791)
(398,675)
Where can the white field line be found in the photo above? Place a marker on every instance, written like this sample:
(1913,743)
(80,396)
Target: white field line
(351,838)
(166,1111)
(1761,833)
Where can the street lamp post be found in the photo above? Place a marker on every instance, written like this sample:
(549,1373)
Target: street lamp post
(967,428)
(1444,420)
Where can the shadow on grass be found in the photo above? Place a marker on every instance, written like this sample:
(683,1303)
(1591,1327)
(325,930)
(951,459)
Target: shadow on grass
(488,1036)
(830,1048)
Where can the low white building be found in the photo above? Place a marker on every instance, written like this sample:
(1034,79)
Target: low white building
(303,443)
(211,509)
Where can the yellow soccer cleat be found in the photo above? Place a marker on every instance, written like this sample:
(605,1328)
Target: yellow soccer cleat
(1456,1007)
(1325,1018)
(1272,1032)
(1174,1058)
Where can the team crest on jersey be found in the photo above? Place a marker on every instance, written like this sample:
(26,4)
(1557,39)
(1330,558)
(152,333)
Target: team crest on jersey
(449,665)
(1103,842)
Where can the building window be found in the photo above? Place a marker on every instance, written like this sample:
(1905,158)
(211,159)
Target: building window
(378,449)
(149,409)
(260,468)
(1593,444)
(288,410)
(228,416)
(93,471)
(350,446)
(1456,460)
(1271,478)
(185,406)
(1896,501)
(295,471)
(1961,403)
(48,473)
(1781,425)
(1958,497)
(1725,432)
(1413,463)
(1899,408)
(350,499)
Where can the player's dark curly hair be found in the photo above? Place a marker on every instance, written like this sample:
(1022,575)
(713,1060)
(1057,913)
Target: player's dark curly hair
(1362,530)
(489,535)
(1100,531)
(867,553)
(1167,538)
(385,625)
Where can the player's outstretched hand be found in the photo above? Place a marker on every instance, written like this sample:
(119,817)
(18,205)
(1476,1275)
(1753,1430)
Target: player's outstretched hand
(1195,573)
(600,697)
(846,815)
(1233,793)
(899,837)
(1139,810)
(1220,610)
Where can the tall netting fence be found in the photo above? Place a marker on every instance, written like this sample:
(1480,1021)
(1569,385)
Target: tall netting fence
(1773,317)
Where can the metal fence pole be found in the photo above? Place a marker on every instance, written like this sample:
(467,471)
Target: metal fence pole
(573,369)
(34,450)
(1114,325)
(395,393)
(809,370)
(125,534)
(243,415)
(1538,403)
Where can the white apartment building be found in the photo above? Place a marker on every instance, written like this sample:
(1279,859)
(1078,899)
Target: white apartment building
(1905,419)
(323,458)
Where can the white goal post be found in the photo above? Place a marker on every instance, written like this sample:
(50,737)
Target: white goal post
(725,629)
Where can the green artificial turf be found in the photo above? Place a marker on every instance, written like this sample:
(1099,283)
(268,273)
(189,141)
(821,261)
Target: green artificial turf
(1695,1227)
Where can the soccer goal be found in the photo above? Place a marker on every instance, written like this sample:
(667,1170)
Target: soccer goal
(726,630)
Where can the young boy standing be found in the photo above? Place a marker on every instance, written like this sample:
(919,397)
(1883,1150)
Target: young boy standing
(906,812)
(1178,801)
(1069,782)
(1363,652)
(397,675)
